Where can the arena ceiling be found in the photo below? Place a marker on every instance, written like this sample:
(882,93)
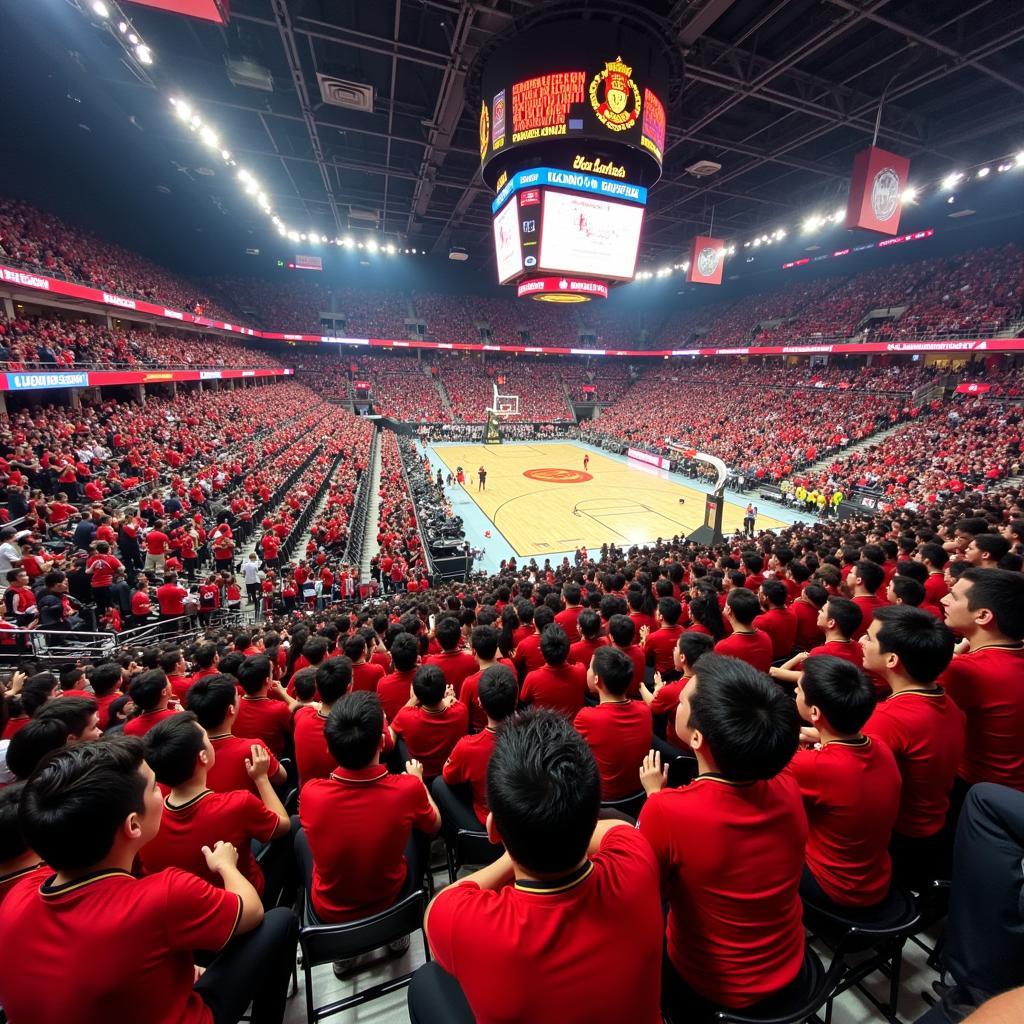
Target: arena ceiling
(781,93)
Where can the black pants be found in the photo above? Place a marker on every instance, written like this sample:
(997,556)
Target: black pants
(253,592)
(456,809)
(435,997)
(985,931)
(254,968)
(918,861)
(812,893)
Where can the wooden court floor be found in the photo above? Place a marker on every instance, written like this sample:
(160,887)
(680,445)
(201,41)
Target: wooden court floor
(555,509)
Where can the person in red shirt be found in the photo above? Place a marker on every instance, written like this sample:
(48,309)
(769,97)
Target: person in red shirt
(142,602)
(735,933)
(839,618)
(934,558)
(151,694)
(365,674)
(642,608)
(265,711)
(149,926)
(271,545)
(100,567)
(395,688)
(17,860)
(924,728)
(778,621)
(527,655)
(180,753)
(557,684)
(589,625)
(213,699)
(432,722)
(658,646)
(454,662)
(570,890)
(170,597)
(313,758)
(866,579)
(357,848)
(484,640)
(986,608)
(663,698)
(566,618)
(851,790)
(466,767)
(745,642)
(157,546)
(807,608)
(618,730)
(622,634)
(752,564)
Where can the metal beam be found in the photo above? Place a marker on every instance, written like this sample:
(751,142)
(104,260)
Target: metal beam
(691,25)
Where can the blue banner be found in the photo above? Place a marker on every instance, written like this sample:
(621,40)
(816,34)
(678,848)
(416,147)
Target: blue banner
(576,181)
(35,381)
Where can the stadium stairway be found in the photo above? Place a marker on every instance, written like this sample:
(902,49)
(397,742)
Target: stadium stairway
(820,464)
(370,545)
(443,395)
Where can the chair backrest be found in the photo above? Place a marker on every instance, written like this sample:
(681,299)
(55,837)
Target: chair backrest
(475,848)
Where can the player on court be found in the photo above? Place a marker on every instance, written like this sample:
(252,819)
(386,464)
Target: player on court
(586,461)
(482,475)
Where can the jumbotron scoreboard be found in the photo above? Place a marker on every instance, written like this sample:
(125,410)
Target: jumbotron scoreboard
(572,136)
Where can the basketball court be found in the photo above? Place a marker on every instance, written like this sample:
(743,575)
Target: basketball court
(539,498)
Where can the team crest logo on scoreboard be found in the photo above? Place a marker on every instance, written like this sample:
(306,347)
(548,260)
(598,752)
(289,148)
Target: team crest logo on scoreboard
(707,261)
(485,129)
(558,476)
(619,106)
(885,194)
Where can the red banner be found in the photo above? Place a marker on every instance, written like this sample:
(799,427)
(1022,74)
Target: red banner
(707,260)
(361,385)
(973,389)
(877,184)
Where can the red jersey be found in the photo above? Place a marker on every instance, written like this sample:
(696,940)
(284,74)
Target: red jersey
(988,686)
(527,656)
(312,758)
(753,648)
(619,735)
(935,588)
(659,645)
(867,606)
(394,691)
(851,792)
(735,929)
(266,719)
(228,771)
(39,873)
(582,651)
(925,730)
(236,817)
(141,724)
(430,736)
(455,665)
(157,543)
(367,676)
(781,625)
(141,604)
(171,599)
(562,687)
(665,702)
(149,929)
(808,634)
(567,619)
(103,569)
(358,823)
(603,921)
(467,764)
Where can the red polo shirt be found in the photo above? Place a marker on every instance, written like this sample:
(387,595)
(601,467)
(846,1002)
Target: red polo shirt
(988,686)
(236,817)
(567,620)
(148,929)
(867,606)
(357,823)
(228,771)
(925,730)
(562,687)
(431,735)
(635,653)
(619,735)
(312,758)
(266,719)
(665,702)
(467,764)
(851,792)
(781,625)
(141,724)
(807,632)
(470,696)
(171,599)
(583,650)
(731,857)
(38,874)
(456,666)
(659,645)
(394,691)
(367,676)
(935,588)
(590,943)
(527,654)
(753,648)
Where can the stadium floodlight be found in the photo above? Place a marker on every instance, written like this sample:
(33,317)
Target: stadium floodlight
(144,53)
(780,233)
(909,195)
(209,137)
(731,251)
(133,39)
(746,245)
(813,222)
(1002,168)
(281,228)
(244,176)
(100,9)
(371,245)
(302,236)
(389,249)
(983,172)
(122,27)
(952,180)
(756,242)
(293,236)
(1020,158)
(348,241)
(225,155)
(414,252)
(182,109)
(686,266)
(839,214)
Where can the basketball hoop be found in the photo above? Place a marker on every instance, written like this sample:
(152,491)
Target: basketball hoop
(504,405)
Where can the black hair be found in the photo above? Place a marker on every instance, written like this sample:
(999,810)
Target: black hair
(622,630)
(693,646)
(840,690)
(354,728)
(146,688)
(204,654)
(354,646)
(909,591)
(614,668)
(705,609)
(774,592)
(846,614)
(572,593)
(105,678)
(405,649)
(304,683)
(333,678)
(589,624)
(172,747)
(670,610)
(484,641)
(816,594)
(1002,593)
(230,663)
(46,733)
(612,604)
(544,791)
(543,617)
(753,561)
(749,724)
(912,570)
(254,672)
(871,575)
(554,644)
(36,691)
(429,684)
(922,642)
(168,660)
(934,553)
(79,797)
(210,698)
(12,842)
(992,544)
(499,691)
(744,605)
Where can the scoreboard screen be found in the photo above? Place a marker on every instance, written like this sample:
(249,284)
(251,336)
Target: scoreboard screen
(581,234)
(507,246)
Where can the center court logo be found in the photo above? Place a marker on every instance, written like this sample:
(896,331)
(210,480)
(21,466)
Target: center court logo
(558,476)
